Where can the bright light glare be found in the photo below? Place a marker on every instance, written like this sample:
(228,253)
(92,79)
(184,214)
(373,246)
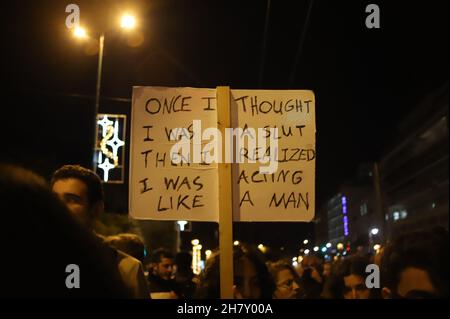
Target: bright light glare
(127,21)
(79,32)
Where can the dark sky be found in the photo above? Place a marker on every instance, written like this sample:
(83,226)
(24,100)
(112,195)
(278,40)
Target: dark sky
(365,80)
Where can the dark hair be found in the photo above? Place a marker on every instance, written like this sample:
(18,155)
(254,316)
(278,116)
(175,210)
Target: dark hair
(88,177)
(130,244)
(276,267)
(159,254)
(353,265)
(426,250)
(183,260)
(210,281)
(42,232)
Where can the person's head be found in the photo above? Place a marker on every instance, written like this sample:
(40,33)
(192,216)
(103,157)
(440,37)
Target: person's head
(285,277)
(352,278)
(130,244)
(162,263)
(42,231)
(81,190)
(251,277)
(415,265)
(183,261)
(327,267)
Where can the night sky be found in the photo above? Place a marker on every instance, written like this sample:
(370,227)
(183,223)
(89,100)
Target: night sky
(365,80)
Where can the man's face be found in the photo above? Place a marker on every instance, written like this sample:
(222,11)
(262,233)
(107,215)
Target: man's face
(355,287)
(414,283)
(164,268)
(74,193)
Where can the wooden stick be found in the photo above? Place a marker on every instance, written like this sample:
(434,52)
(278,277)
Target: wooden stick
(225,201)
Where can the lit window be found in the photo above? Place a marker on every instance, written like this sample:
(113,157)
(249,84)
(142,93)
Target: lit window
(396,216)
(363,209)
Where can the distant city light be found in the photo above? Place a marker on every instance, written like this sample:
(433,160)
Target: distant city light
(324,249)
(236,243)
(306,241)
(374,231)
(316,248)
(306,251)
(328,245)
(195,242)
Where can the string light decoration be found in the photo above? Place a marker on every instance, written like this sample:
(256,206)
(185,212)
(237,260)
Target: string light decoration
(110,147)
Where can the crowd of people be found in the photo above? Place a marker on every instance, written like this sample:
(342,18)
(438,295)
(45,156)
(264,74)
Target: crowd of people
(49,226)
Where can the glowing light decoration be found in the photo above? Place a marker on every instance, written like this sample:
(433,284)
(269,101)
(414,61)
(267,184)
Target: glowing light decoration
(196,257)
(110,147)
(104,123)
(344,212)
(105,166)
(115,143)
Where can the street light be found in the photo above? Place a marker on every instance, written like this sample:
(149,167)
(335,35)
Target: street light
(305,242)
(127,22)
(374,231)
(79,32)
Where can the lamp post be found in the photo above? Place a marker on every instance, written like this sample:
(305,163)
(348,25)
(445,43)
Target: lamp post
(127,22)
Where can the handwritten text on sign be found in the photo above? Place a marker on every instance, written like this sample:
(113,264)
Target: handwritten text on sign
(288,194)
(176,148)
(161,188)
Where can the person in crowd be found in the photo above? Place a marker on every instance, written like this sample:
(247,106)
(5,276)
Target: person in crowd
(130,244)
(310,279)
(415,266)
(184,276)
(286,281)
(326,272)
(80,189)
(252,279)
(349,281)
(161,282)
(38,229)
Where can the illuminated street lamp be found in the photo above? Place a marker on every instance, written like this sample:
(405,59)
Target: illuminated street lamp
(79,32)
(128,22)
